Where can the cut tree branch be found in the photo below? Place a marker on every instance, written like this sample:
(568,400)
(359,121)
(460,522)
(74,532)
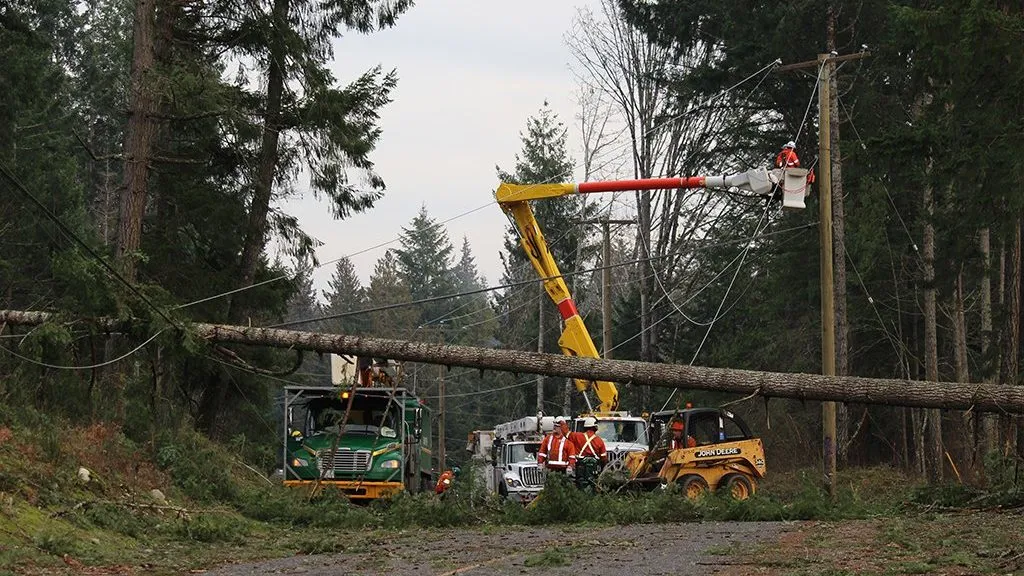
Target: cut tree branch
(946,395)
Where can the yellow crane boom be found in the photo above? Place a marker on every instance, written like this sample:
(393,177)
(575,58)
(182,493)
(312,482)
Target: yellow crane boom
(575,340)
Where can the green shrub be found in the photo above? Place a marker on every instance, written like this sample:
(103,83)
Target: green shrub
(455,509)
(214,528)
(56,542)
(117,519)
(330,509)
(198,468)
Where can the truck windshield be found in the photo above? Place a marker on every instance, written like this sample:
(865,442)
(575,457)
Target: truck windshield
(369,421)
(622,431)
(522,453)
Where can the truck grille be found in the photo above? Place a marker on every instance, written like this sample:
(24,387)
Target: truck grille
(345,460)
(617,456)
(531,476)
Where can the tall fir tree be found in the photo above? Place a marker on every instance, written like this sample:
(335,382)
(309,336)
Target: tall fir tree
(345,293)
(425,259)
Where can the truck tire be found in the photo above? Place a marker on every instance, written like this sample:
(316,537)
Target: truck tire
(693,486)
(736,486)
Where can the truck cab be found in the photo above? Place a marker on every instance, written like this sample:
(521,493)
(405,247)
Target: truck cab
(516,473)
(508,455)
(622,434)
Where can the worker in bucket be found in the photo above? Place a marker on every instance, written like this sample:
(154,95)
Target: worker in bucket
(787,157)
(591,456)
(557,453)
(679,437)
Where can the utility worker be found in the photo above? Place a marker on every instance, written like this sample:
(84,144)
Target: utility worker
(787,157)
(446,480)
(576,438)
(591,456)
(678,441)
(557,453)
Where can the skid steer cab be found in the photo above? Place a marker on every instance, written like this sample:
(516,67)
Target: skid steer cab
(700,449)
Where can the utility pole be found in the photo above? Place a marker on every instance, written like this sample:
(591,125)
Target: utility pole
(540,346)
(440,415)
(828,311)
(606,290)
(606,281)
(828,336)
(440,406)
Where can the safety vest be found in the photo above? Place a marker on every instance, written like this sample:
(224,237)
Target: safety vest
(593,447)
(444,482)
(787,158)
(557,452)
(689,442)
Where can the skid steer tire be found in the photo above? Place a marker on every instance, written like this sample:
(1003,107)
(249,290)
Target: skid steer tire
(736,486)
(693,486)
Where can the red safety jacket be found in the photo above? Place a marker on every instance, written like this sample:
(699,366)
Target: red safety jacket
(678,443)
(557,452)
(444,482)
(787,158)
(592,446)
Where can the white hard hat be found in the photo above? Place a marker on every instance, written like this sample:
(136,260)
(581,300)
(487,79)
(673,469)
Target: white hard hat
(790,144)
(559,419)
(589,422)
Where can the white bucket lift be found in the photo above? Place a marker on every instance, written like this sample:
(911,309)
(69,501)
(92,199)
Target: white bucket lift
(794,188)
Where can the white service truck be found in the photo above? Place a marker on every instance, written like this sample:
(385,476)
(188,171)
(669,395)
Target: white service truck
(508,457)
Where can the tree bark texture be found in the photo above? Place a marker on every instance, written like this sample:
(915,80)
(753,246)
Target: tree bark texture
(989,423)
(143,101)
(931,346)
(1009,365)
(256,230)
(923,394)
(967,453)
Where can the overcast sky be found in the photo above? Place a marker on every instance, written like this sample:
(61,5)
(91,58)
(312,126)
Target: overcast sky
(470,74)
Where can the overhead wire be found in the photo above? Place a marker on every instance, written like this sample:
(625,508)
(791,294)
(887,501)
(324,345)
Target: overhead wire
(562,175)
(863,146)
(718,312)
(497,287)
(89,367)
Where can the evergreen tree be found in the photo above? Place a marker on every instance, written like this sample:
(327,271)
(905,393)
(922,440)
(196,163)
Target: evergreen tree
(345,293)
(474,317)
(425,261)
(326,129)
(389,286)
(303,305)
(543,159)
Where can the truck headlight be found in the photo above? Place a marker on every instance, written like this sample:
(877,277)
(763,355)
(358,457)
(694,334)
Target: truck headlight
(299,463)
(389,464)
(512,482)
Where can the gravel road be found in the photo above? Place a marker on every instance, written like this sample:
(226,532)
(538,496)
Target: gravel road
(676,549)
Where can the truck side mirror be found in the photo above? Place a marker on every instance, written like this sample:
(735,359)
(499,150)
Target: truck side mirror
(417,423)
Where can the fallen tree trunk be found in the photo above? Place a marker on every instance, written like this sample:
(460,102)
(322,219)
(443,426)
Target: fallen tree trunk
(948,395)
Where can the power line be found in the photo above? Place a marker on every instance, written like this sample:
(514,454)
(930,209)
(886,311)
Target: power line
(90,367)
(6,172)
(481,207)
(718,312)
(863,146)
(504,286)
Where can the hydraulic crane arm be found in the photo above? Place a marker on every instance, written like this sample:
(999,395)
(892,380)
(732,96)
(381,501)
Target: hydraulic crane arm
(575,340)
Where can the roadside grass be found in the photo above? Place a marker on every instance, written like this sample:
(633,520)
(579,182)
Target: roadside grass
(547,559)
(210,506)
